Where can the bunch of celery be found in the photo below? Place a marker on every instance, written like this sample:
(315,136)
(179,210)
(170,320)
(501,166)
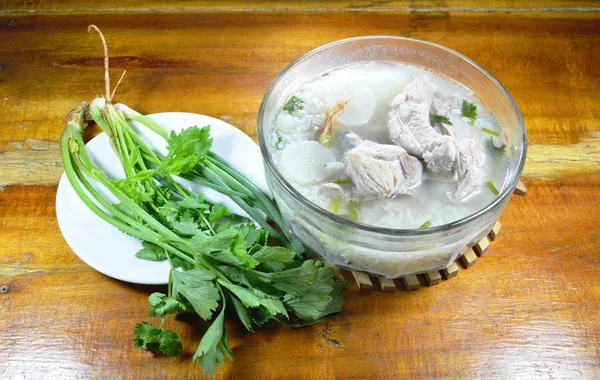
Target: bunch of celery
(216,258)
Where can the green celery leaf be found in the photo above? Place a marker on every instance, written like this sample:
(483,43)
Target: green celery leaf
(337,298)
(170,343)
(324,297)
(179,263)
(227,247)
(271,267)
(242,313)
(296,281)
(211,350)
(192,140)
(255,298)
(259,316)
(198,288)
(252,235)
(186,149)
(161,305)
(152,252)
(186,225)
(276,254)
(218,211)
(204,243)
(147,337)
(309,306)
(156,340)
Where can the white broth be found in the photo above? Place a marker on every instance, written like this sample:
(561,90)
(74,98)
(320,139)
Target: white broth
(390,145)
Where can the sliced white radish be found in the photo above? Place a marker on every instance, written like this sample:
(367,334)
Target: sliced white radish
(305,162)
(361,104)
(386,85)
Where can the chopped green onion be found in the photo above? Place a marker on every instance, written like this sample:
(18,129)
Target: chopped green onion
(440,119)
(427,224)
(294,104)
(334,206)
(352,208)
(491,132)
(492,187)
(342,181)
(326,139)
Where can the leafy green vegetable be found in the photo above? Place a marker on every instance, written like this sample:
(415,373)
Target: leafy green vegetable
(469,110)
(273,254)
(213,347)
(294,104)
(213,261)
(156,340)
(491,186)
(427,224)
(151,252)
(199,290)
(491,132)
(161,305)
(440,119)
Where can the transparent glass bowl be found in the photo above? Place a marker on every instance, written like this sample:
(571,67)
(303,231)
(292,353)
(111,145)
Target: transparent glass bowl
(378,251)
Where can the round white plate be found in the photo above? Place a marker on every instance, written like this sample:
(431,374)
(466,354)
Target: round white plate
(112,252)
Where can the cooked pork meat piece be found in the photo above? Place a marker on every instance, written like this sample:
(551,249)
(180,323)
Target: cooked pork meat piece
(382,171)
(409,127)
(469,168)
(446,157)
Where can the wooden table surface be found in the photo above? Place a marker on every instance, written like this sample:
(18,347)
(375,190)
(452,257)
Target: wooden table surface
(528,309)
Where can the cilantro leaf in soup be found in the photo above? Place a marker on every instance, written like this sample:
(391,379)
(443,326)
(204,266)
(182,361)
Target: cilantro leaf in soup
(294,104)
(440,119)
(469,110)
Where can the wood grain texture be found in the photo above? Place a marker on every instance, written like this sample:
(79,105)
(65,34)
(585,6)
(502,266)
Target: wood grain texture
(528,309)
(548,65)
(146,6)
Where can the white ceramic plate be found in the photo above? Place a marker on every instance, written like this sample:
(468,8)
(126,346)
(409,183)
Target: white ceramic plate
(112,252)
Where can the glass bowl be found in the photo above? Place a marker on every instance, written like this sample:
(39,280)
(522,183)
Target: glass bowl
(379,251)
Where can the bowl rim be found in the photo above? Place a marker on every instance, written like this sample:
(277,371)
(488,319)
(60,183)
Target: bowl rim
(506,192)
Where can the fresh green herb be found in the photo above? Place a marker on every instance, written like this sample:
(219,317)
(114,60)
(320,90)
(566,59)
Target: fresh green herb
(279,140)
(324,75)
(156,339)
(491,186)
(353,208)
(491,132)
(326,139)
(294,104)
(469,110)
(440,119)
(213,262)
(427,224)
(151,252)
(334,206)
(343,181)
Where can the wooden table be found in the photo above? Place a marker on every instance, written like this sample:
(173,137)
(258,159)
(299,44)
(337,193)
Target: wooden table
(528,309)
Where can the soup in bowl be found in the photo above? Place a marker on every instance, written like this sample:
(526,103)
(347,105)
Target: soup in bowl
(389,155)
